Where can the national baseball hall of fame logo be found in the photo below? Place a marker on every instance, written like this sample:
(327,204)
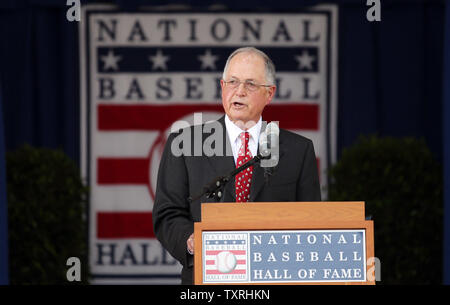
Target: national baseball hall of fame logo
(142,71)
(225,257)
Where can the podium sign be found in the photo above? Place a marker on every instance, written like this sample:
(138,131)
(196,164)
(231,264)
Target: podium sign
(307,256)
(284,243)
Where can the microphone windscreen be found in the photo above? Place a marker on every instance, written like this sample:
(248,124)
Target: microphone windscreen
(272,128)
(264,144)
(272,131)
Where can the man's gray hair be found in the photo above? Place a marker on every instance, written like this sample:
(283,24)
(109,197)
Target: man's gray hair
(270,67)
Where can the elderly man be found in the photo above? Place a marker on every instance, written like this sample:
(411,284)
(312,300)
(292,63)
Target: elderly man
(248,85)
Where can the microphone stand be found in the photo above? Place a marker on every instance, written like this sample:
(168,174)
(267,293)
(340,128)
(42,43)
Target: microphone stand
(215,188)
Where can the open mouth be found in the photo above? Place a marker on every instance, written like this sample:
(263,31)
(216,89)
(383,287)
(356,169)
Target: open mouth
(238,105)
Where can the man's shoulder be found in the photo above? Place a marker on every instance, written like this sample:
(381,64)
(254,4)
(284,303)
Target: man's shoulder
(204,127)
(199,140)
(294,138)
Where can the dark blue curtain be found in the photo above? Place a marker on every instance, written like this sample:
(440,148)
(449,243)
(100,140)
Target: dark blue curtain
(446,140)
(39,70)
(390,72)
(4,270)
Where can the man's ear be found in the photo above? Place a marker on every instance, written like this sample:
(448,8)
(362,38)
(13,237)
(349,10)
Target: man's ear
(271,93)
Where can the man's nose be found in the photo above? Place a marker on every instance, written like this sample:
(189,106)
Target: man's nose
(240,90)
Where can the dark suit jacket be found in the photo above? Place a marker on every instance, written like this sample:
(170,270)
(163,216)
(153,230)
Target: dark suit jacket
(295,178)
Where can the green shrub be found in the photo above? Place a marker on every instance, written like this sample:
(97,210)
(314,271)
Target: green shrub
(46,215)
(401,184)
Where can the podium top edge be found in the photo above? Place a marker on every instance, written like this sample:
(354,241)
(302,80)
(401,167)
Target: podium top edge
(284,211)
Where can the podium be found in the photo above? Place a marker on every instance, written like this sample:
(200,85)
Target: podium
(284,243)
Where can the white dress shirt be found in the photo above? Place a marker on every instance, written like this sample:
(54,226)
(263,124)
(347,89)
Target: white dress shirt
(234,131)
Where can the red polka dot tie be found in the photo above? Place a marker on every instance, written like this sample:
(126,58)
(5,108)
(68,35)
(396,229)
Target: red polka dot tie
(244,178)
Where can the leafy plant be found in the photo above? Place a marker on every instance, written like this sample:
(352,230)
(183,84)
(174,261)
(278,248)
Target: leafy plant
(401,184)
(46,215)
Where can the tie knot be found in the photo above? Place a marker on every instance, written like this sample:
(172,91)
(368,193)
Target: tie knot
(244,136)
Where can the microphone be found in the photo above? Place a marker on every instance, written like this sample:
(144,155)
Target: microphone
(264,150)
(269,145)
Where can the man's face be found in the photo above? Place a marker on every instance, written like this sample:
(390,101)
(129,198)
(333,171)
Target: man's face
(240,104)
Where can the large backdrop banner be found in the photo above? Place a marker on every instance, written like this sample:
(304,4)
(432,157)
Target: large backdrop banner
(141,71)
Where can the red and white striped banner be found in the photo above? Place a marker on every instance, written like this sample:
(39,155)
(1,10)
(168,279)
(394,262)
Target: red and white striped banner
(141,72)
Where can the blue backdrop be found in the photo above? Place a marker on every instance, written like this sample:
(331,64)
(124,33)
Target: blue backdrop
(3,206)
(446,141)
(390,72)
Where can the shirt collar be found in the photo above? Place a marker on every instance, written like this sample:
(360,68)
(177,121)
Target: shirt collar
(234,131)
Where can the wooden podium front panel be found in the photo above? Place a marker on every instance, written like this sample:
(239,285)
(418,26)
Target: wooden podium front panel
(284,216)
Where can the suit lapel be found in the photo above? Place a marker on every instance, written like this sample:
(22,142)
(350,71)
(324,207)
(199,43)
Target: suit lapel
(258,179)
(224,164)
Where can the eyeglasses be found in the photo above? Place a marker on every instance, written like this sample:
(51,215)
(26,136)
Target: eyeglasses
(248,85)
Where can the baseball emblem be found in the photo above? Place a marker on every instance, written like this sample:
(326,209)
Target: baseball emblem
(226,262)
